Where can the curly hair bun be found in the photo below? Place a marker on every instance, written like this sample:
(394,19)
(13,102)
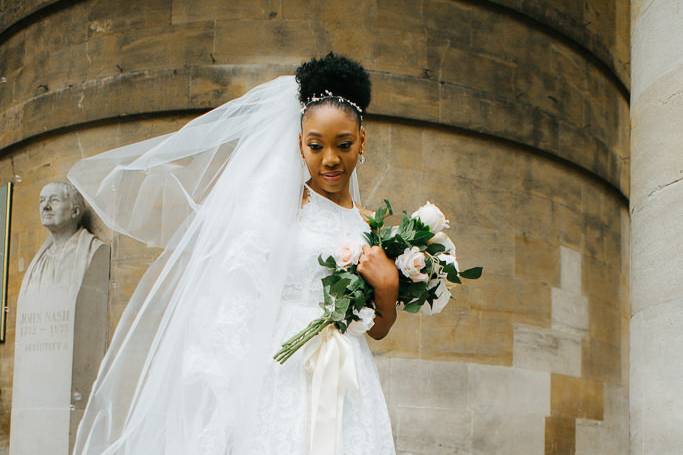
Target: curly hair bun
(336,73)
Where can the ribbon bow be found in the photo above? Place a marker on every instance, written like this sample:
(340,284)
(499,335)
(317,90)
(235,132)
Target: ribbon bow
(329,357)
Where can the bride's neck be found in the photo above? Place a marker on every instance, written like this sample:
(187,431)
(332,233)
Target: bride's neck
(342,198)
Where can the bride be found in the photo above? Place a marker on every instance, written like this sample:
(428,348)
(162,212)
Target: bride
(243,199)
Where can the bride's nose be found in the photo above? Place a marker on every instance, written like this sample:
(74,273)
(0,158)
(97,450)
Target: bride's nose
(330,158)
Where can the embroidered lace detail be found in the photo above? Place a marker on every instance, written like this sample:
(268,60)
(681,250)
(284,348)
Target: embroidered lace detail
(324,224)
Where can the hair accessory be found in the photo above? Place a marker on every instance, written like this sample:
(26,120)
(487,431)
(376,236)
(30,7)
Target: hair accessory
(328,94)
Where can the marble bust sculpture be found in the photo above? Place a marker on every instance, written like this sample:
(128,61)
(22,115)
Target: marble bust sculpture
(45,360)
(65,255)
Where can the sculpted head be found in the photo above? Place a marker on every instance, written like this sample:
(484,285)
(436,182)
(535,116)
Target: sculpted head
(61,206)
(332,132)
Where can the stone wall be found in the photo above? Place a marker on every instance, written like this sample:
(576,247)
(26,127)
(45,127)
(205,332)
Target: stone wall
(512,116)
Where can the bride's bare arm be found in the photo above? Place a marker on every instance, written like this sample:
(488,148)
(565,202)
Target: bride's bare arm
(381,273)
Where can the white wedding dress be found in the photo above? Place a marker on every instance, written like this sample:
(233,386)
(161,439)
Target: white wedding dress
(186,365)
(284,409)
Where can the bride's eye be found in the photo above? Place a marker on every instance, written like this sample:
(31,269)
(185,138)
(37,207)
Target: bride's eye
(346,145)
(315,146)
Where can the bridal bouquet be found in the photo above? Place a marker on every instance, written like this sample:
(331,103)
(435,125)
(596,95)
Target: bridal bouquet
(424,255)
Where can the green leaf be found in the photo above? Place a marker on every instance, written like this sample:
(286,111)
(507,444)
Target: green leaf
(341,305)
(449,267)
(355,284)
(420,226)
(339,288)
(346,275)
(372,238)
(342,326)
(451,272)
(405,224)
(390,210)
(380,214)
(409,291)
(327,297)
(330,279)
(420,237)
(472,274)
(329,262)
(412,307)
(435,248)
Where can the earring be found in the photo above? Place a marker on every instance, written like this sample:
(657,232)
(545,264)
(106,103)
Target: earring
(362,158)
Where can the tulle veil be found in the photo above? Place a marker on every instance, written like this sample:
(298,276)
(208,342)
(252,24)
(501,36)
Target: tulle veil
(184,368)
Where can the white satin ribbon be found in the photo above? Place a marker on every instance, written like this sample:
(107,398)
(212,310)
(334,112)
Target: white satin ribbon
(329,356)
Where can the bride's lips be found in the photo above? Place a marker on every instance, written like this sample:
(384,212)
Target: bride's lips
(332,176)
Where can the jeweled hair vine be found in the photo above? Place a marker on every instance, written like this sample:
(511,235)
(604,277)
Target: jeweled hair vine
(328,94)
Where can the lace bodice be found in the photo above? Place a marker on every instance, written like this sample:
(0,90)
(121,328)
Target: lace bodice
(322,226)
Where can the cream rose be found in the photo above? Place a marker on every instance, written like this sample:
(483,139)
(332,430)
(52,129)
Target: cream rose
(442,239)
(443,295)
(411,262)
(348,253)
(367,320)
(432,216)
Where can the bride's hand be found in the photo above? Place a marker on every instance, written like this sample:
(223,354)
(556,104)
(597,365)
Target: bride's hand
(378,270)
(381,273)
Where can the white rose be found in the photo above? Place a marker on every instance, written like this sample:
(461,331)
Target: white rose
(367,320)
(443,295)
(448,259)
(348,253)
(411,262)
(442,239)
(432,216)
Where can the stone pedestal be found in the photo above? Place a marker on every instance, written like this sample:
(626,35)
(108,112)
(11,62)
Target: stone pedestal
(90,334)
(59,345)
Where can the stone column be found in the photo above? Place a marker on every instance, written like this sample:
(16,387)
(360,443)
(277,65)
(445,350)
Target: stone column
(656,369)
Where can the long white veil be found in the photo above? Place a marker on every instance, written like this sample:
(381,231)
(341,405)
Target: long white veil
(185,366)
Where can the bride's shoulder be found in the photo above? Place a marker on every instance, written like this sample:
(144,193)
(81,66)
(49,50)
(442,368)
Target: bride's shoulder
(365,213)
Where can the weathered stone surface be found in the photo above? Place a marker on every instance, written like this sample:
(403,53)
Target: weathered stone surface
(576,397)
(442,407)
(604,437)
(546,350)
(509,406)
(570,312)
(471,105)
(560,435)
(655,378)
(602,27)
(13,11)
(474,75)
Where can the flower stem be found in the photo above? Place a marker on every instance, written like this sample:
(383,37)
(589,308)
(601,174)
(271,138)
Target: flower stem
(294,343)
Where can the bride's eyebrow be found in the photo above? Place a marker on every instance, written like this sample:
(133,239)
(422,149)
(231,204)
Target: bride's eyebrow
(315,133)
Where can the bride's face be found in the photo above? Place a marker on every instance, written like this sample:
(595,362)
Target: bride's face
(330,143)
